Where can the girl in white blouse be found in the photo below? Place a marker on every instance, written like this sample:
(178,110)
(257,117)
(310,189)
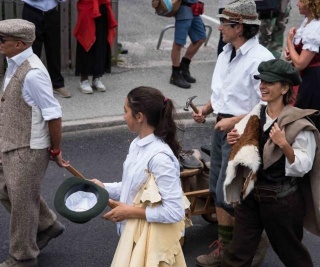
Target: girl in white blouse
(149,114)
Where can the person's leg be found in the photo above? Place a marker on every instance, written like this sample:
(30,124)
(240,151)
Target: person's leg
(283,221)
(28,214)
(247,232)
(197,34)
(180,39)
(37,19)
(220,151)
(52,43)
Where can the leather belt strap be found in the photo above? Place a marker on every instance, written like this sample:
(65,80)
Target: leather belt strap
(39,10)
(269,195)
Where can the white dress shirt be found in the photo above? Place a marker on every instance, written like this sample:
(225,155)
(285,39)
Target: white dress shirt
(165,167)
(234,89)
(44,5)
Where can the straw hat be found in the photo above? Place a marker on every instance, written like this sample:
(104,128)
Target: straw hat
(242,11)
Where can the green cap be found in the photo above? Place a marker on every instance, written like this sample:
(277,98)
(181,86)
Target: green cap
(278,70)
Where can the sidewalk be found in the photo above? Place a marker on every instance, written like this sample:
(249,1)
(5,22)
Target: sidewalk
(97,110)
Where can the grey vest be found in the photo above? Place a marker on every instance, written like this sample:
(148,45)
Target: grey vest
(15,113)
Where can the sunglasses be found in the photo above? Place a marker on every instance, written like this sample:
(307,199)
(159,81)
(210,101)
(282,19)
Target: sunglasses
(3,40)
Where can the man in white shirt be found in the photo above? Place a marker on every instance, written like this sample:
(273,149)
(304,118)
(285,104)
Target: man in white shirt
(30,135)
(234,93)
(46,17)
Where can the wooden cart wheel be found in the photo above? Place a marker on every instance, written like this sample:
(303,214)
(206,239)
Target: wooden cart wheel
(210,217)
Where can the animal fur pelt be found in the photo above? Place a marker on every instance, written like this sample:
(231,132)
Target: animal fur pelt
(244,163)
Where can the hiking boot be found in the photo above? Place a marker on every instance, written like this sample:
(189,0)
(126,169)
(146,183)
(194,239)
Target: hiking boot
(186,73)
(63,92)
(213,259)
(98,85)
(44,237)
(85,87)
(178,80)
(261,250)
(11,262)
(184,66)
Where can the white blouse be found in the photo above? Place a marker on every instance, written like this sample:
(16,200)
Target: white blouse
(165,167)
(309,34)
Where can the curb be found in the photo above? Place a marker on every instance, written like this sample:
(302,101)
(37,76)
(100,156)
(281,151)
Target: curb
(184,120)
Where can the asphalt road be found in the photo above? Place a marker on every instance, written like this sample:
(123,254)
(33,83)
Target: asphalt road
(100,154)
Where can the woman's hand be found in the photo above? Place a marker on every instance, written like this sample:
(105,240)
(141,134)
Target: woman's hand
(120,211)
(233,136)
(286,54)
(291,34)
(98,182)
(278,136)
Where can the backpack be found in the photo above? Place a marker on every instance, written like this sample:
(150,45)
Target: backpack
(166,8)
(268,9)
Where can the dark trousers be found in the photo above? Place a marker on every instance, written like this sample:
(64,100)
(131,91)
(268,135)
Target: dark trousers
(47,34)
(283,222)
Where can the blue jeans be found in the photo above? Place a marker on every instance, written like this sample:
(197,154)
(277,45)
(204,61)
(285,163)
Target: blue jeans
(220,151)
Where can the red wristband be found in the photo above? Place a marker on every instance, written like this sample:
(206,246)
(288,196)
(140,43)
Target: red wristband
(55,153)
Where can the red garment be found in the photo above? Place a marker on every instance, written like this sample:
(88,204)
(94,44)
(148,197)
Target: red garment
(85,29)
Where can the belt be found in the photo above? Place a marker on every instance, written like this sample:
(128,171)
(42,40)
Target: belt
(269,195)
(39,10)
(221,116)
(315,64)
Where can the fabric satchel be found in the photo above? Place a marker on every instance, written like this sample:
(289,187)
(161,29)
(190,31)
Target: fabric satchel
(166,8)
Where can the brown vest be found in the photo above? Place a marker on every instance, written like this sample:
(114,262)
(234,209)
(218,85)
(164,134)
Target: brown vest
(15,113)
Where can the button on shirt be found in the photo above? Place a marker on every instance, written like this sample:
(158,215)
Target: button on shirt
(165,167)
(44,5)
(234,89)
(37,87)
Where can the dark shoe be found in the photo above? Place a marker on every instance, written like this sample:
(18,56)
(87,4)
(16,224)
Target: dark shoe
(186,73)
(179,81)
(261,250)
(44,237)
(11,262)
(206,149)
(213,259)
(189,161)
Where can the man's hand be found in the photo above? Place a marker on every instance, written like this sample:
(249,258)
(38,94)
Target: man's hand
(233,137)
(198,117)
(226,124)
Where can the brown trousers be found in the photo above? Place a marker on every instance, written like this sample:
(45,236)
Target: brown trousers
(20,186)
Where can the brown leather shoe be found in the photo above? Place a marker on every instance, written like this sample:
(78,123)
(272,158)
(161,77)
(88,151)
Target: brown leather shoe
(11,262)
(63,92)
(44,237)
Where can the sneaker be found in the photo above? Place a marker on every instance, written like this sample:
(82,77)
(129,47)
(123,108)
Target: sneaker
(213,259)
(63,92)
(98,85)
(44,237)
(85,87)
(11,262)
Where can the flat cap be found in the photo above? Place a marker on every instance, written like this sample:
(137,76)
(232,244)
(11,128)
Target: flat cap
(19,29)
(278,70)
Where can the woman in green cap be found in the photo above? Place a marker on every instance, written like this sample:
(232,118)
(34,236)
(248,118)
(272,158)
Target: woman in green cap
(272,164)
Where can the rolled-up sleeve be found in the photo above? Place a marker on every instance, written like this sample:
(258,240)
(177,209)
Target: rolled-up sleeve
(304,150)
(37,91)
(166,173)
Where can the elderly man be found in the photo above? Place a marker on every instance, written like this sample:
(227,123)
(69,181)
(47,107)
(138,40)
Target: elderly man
(234,93)
(30,134)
